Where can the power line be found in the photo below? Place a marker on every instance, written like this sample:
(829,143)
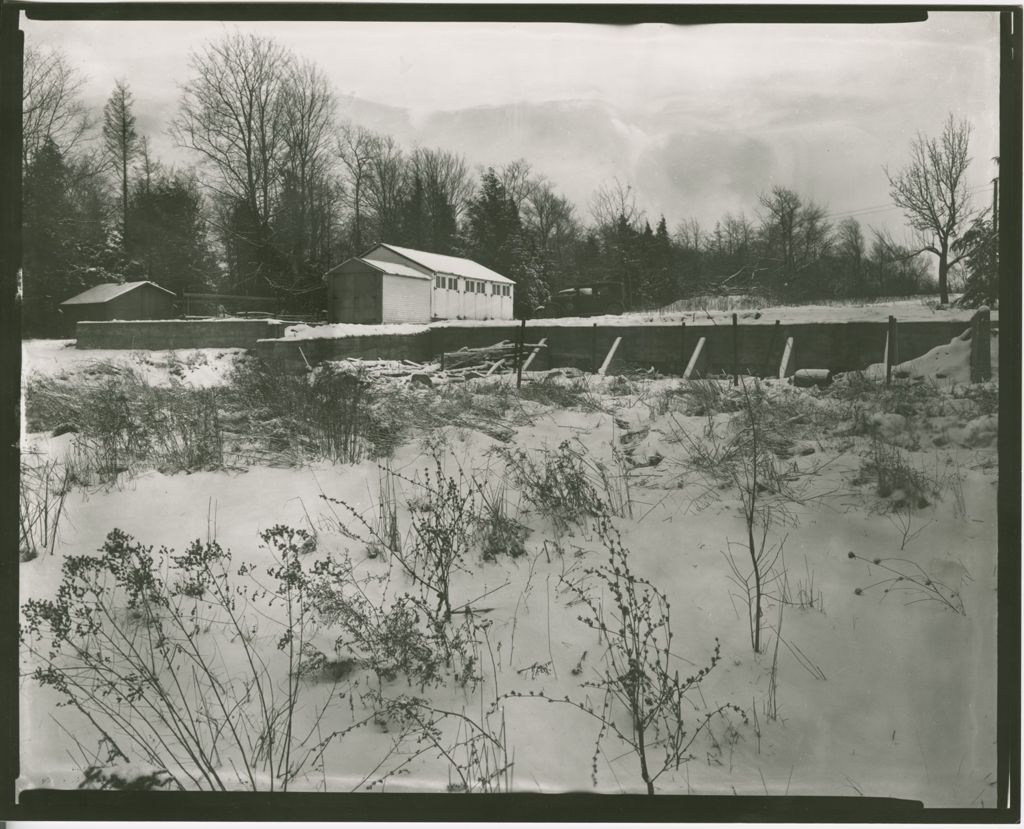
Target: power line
(883,208)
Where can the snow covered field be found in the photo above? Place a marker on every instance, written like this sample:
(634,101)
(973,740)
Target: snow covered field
(197,367)
(876,668)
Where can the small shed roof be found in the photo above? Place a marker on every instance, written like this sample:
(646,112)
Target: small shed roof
(439,263)
(108,291)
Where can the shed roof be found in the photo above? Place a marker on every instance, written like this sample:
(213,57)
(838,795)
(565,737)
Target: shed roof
(108,291)
(393,268)
(439,263)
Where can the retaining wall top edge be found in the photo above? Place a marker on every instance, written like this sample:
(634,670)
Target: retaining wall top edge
(100,323)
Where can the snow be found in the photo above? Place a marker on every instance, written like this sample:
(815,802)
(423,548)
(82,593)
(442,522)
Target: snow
(907,705)
(343,329)
(196,367)
(948,364)
(907,310)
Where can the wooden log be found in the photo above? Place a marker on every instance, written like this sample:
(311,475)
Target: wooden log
(494,367)
(806,377)
(696,359)
(609,357)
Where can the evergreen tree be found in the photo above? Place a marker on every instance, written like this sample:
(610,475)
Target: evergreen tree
(68,243)
(978,249)
(47,217)
(121,141)
(494,237)
(167,233)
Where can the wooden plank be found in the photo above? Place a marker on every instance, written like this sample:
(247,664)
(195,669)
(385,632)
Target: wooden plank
(890,349)
(609,357)
(534,353)
(785,369)
(695,358)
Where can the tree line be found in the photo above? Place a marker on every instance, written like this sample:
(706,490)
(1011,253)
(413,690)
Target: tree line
(281,190)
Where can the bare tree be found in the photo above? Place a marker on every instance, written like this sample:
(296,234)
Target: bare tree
(308,110)
(386,185)
(739,233)
(121,140)
(51,107)
(851,246)
(779,224)
(516,177)
(550,223)
(932,190)
(795,233)
(548,216)
(356,147)
(614,202)
(689,235)
(447,175)
(233,114)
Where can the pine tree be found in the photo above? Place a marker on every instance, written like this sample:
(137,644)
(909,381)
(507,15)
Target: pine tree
(121,140)
(167,233)
(494,237)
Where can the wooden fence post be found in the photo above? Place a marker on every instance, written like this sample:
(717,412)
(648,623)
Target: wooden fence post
(981,346)
(520,341)
(735,350)
(593,349)
(891,350)
(682,346)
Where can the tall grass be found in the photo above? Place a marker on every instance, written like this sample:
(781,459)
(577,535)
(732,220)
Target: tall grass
(44,487)
(122,423)
(331,413)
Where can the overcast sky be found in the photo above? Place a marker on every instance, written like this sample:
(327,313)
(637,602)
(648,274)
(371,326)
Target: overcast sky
(698,120)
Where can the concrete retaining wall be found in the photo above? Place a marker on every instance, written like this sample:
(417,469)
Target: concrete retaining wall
(293,354)
(168,334)
(835,346)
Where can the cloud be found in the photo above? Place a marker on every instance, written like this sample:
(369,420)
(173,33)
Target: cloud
(698,119)
(704,173)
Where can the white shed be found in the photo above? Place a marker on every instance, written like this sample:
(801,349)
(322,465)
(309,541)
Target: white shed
(395,284)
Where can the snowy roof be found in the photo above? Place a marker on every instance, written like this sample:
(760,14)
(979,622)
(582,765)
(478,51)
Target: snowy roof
(454,265)
(108,291)
(393,268)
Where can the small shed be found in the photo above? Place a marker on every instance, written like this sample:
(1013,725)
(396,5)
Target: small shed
(391,284)
(118,301)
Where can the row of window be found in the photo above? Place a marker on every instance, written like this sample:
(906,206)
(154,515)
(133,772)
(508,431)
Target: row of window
(472,286)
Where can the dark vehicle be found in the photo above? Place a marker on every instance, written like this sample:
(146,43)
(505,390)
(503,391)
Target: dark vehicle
(589,300)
